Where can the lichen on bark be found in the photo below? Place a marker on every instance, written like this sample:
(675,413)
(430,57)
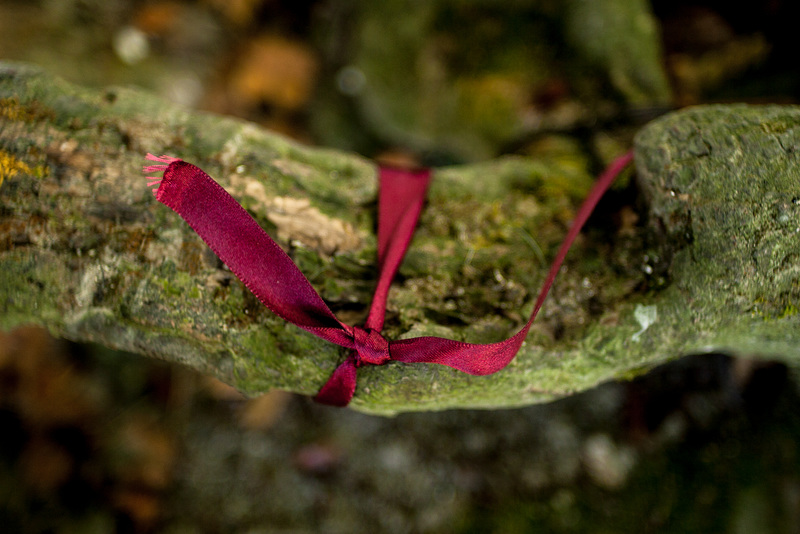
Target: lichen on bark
(86,251)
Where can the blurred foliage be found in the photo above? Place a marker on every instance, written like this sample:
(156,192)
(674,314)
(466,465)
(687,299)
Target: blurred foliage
(452,80)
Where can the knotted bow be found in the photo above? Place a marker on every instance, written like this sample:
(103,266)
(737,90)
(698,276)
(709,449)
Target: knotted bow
(276,281)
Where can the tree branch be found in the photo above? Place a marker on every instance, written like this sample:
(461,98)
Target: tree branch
(86,251)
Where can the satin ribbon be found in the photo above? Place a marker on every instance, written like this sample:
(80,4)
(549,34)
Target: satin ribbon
(276,281)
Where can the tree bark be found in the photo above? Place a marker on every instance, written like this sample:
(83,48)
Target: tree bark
(86,251)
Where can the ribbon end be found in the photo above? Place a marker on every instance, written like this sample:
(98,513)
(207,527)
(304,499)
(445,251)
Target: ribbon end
(340,387)
(164,162)
(161,159)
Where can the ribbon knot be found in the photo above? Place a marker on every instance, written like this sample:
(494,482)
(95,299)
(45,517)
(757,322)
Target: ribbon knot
(370,347)
(277,282)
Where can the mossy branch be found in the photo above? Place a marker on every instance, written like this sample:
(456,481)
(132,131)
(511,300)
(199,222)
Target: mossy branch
(87,252)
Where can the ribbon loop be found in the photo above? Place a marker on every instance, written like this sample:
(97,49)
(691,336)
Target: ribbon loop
(371,347)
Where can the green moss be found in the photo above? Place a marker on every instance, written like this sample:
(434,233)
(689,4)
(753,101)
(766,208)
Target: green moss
(179,283)
(263,353)
(789,311)
(30,288)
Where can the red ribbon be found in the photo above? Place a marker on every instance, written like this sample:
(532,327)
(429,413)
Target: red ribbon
(276,281)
